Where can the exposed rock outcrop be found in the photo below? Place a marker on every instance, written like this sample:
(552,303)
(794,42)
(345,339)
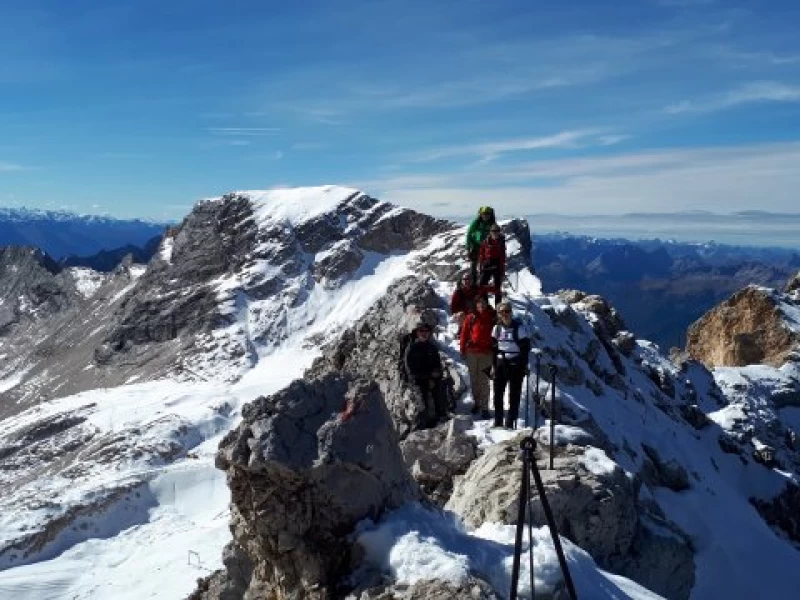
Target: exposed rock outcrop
(751,327)
(371,348)
(783,511)
(293,466)
(436,456)
(474,589)
(594,504)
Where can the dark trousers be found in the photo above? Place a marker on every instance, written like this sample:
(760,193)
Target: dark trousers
(511,374)
(473,264)
(493,272)
(433,399)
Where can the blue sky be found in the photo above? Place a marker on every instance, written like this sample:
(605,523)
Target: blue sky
(140,108)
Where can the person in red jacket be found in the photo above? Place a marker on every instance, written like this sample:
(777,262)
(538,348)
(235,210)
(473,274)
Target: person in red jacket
(463,299)
(492,259)
(476,348)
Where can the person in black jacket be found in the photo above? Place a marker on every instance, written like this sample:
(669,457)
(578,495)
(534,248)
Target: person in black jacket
(424,368)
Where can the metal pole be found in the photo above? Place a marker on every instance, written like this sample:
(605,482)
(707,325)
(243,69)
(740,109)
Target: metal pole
(523,491)
(553,370)
(551,523)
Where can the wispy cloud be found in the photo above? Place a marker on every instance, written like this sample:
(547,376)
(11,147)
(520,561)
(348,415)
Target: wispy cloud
(750,93)
(243,131)
(7,167)
(721,179)
(277,155)
(488,151)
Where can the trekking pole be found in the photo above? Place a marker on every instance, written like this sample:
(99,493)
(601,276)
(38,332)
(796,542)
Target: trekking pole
(529,468)
(553,370)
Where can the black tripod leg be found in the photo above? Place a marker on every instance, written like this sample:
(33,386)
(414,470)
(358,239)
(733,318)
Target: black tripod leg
(530,538)
(524,490)
(551,523)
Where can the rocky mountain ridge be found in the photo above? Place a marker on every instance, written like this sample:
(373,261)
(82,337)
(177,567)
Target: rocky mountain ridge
(333,484)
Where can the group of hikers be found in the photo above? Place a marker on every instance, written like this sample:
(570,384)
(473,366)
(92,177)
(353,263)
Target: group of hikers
(494,344)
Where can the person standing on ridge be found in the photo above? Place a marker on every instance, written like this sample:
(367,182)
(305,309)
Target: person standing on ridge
(476,348)
(462,302)
(492,259)
(511,341)
(424,368)
(478,231)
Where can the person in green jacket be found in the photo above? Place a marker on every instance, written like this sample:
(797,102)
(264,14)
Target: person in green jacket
(477,232)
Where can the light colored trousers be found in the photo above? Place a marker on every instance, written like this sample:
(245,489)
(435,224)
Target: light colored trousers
(479,382)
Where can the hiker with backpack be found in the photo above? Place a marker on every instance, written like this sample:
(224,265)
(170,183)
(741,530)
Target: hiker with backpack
(476,348)
(463,300)
(512,344)
(423,367)
(478,231)
(492,260)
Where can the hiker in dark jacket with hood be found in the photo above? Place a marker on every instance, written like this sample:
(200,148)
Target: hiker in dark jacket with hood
(424,368)
(478,231)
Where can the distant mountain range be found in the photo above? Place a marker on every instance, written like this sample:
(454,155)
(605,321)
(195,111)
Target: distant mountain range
(62,234)
(660,287)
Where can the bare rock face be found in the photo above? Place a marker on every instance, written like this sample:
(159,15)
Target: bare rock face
(751,327)
(31,287)
(474,589)
(793,284)
(293,466)
(436,456)
(595,508)
(363,350)
(783,511)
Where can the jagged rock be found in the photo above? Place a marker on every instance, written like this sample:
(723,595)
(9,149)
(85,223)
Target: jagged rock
(765,455)
(662,559)
(229,583)
(786,396)
(364,352)
(608,319)
(597,512)
(435,456)
(572,296)
(625,341)
(292,466)
(401,230)
(694,416)
(783,511)
(728,444)
(660,473)
(748,328)
(518,230)
(474,589)
(342,260)
(793,284)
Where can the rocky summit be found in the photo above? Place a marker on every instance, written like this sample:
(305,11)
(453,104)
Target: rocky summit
(229,421)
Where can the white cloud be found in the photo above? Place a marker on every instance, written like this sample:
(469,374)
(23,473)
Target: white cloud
(240,131)
(764,177)
(749,93)
(6,167)
(488,151)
